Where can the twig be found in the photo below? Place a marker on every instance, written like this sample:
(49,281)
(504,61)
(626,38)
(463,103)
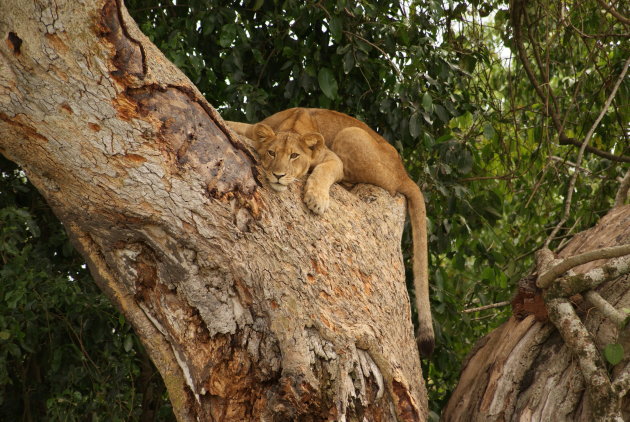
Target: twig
(570,164)
(380,50)
(587,138)
(566,238)
(622,193)
(509,176)
(547,276)
(621,18)
(483,308)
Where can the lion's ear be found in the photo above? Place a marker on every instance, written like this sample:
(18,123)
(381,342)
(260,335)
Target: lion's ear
(263,133)
(313,140)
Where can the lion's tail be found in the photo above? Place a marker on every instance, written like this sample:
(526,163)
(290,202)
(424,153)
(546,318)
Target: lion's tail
(418,217)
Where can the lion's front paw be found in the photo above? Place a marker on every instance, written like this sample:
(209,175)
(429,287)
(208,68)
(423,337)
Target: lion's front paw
(317,200)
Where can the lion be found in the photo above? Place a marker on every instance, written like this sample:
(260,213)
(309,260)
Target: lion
(336,147)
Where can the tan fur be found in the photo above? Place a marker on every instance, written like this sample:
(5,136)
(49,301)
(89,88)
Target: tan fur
(337,147)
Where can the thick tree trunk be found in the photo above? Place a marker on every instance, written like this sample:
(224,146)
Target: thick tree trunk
(251,307)
(525,371)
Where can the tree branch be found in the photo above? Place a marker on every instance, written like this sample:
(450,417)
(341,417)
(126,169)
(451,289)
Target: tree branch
(575,166)
(621,18)
(573,284)
(604,401)
(549,275)
(606,308)
(612,157)
(483,308)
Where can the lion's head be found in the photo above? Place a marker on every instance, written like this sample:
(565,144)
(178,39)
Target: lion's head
(285,156)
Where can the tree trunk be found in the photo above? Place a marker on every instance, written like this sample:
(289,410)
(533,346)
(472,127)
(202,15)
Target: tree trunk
(251,307)
(525,371)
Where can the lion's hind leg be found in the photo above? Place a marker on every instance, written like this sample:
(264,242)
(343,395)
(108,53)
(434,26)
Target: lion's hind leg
(366,160)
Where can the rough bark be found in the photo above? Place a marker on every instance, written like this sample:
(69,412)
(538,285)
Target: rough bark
(251,307)
(524,370)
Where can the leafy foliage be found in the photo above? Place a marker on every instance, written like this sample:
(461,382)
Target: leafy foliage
(65,353)
(448,83)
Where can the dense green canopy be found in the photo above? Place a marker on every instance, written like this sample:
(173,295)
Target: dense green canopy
(484,102)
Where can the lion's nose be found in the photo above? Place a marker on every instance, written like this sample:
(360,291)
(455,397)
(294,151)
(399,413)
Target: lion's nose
(279,175)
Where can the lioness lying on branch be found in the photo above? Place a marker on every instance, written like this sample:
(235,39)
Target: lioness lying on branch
(337,147)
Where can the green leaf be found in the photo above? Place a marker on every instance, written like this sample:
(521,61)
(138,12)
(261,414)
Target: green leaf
(465,162)
(258,4)
(414,125)
(427,102)
(336,26)
(14,349)
(33,227)
(613,353)
(128,343)
(462,122)
(13,297)
(228,34)
(488,132)
(327,82)
(441,113)
(348,61)
(4,335)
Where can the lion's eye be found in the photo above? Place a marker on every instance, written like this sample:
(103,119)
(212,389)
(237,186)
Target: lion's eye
(270,152)
(294,155)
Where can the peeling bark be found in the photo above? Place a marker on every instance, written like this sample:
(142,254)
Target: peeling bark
(524,370)
(251,307)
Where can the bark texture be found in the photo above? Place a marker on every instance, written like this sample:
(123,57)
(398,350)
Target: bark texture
(524,371)
(251,307)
